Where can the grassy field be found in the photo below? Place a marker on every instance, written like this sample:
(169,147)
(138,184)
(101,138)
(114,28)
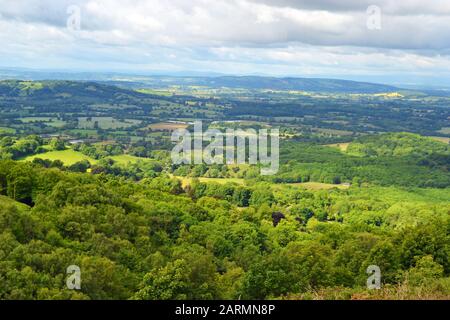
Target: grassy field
(445,130)
(319,185)
(5,130)
(163,93)
(168,126)
(88,133)
(342,146)
(333,132)
(307,185)
(124,159)
(35,119)
(106,123)
(56,123)
(441,139)
(5,201)
(187,180)
(68,157)
(49,121)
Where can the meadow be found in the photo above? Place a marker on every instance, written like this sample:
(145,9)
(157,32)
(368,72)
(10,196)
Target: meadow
(105,123)
(68,157)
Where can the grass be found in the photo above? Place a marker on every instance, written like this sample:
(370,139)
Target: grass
(342,146)
(106,123)
(31,85)
(187,180)
(68,157)
(395,194)
(88,133)
(445,130)
(48,121)
(169,126)
(125,159)
(5,201)
(441,139)
(307,185)
(5,130)
(319,185)
(35,119)
(156,92)
(56,123)
(333,132)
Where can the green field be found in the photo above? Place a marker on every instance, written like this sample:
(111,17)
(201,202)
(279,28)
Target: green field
(55,123)
(187,180)
(36,119)
(106,123)
(5,130)
(125,159)
(341,146)
(48,121)
(68,157)
(445,130)
(319,186)
(84,133)
(8,202)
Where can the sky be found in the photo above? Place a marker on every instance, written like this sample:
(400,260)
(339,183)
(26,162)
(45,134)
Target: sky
(389,41)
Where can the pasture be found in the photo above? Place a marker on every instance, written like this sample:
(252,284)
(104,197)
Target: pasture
(68,157)
(168,126)
(105,123)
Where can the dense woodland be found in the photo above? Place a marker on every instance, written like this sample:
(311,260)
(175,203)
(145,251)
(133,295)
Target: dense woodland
(86,179)
(154,240)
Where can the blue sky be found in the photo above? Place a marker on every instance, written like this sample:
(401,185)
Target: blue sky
(407,41)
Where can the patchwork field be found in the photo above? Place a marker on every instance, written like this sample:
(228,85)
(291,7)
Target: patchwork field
(441,139)
(36,119)
(5,201)
(445,130)
(187,180)
(5,130)
(319,186)
(105,123)
(68,157)
(126,159)
(341,146)
(168,126)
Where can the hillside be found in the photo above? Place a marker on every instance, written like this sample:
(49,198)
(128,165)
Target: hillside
(62,90)
(397,144)
(304,84)
(6,202)
(242,82)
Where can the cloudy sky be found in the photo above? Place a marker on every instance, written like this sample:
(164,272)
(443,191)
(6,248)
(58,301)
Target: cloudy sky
(403,41)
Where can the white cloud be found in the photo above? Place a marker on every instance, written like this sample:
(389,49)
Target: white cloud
(320,36)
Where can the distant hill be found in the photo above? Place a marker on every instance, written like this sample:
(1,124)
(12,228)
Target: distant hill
(254,82)
(396,145)
(71,96)
(59,89)
(245,82)
(304,84)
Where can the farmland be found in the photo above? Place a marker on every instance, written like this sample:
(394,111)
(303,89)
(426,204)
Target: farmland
(68,157)
(86,173)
